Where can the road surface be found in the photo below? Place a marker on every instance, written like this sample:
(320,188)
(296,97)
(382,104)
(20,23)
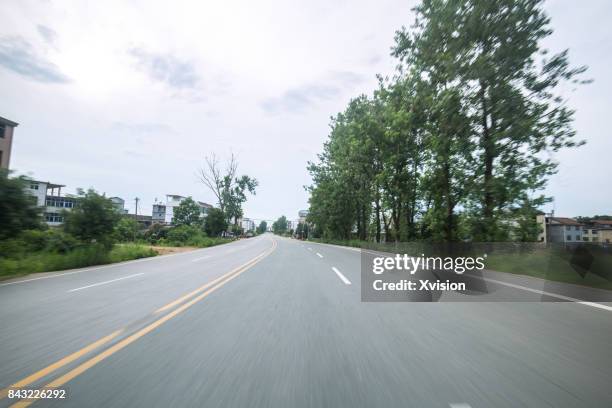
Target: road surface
(275,322)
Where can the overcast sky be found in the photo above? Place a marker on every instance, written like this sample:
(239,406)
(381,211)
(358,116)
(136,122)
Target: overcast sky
(129,96)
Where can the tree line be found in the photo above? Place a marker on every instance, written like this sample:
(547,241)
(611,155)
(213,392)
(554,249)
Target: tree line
(457,144)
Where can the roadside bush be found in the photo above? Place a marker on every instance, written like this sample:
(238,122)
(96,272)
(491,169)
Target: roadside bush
(33,241)
(127,229)
(184,233)
(60,242)
(155,234)
(12,248)
(95,254)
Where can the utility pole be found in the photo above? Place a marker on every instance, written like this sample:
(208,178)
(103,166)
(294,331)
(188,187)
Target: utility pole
(136,200)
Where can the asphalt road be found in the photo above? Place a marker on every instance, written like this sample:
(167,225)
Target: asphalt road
(273,322)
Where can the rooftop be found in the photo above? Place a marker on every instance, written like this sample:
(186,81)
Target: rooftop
(564,221)
(7,122)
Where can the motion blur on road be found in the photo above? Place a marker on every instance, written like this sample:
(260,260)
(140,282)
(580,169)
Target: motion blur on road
(277,322)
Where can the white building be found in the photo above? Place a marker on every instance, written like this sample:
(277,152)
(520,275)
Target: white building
(247,225)
(163,213)
(49,197)
(302,214)
(119,204)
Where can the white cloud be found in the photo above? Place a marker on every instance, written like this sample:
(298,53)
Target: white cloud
(104,92)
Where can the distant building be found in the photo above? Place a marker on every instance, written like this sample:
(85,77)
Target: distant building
(561,229)
(163,213)
(49,197)
(247,225)
(7,128)
(119,204)
(144,221)
(599,231)
(302,214)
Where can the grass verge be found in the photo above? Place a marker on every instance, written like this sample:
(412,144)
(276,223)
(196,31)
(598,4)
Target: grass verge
(77,258)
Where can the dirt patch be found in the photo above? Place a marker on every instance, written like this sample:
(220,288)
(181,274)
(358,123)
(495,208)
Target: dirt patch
(171,250)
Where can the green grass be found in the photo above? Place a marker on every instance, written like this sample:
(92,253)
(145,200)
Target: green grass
(350,243)
(554,265)
(77,258)
(198,242)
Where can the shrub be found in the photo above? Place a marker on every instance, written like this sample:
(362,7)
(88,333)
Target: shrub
(60,242)
(155,234)
(126,229)
(95,254)
(93,219)
(185,235)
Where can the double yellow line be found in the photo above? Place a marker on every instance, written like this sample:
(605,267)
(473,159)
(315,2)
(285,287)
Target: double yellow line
(195,296)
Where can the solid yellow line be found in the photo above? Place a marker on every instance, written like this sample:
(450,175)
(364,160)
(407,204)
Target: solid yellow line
(51,368)
(209,284)
(128,340)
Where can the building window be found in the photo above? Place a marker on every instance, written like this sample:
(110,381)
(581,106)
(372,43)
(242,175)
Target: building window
(577,237)
(34,186)
(2,130)
(569,238)
(594,232)
(568,227)
(53,217)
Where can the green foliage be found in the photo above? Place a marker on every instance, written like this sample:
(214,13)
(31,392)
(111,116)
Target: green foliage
(262,227)
(18,211)
(187,213)
(279,226)
(127,229)
(185,235)
(231,190)
(234,195)
(93,219)
(95,254)
(452,147)
(155,233)
(32,241)
(215,222)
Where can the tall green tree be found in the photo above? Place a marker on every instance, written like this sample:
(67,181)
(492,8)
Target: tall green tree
(215,222)
(230,189)
(18,211)
(126,229)
(262,227)
(280,225)
(93,219)
(492,52)
(188,212)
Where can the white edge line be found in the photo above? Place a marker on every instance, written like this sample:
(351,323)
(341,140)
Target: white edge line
(567,298)
(319,255)
(341,276)
(542,292)
(104,283)
(459,405)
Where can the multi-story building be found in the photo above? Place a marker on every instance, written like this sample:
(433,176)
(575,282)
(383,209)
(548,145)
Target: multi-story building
(302,214)
(7,128)
(49,197)
(119,204)
(247,225)
(561,229)
(598,231)
(163,213)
